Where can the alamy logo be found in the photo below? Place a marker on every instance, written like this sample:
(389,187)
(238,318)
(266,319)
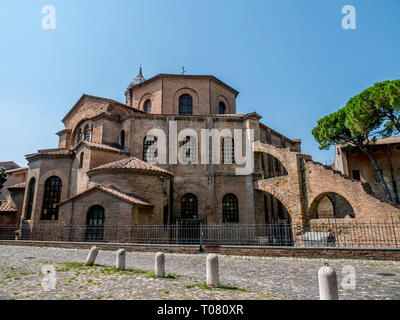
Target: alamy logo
(49,20)
(349,278)
(49,280)
(349,20)
(214,146)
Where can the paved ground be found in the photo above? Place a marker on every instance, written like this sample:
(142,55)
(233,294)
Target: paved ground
(242,277)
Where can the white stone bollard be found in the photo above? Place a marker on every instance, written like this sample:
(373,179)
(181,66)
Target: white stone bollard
(91,258)
(212,270)
(328,287)
(120,259)
(160,265)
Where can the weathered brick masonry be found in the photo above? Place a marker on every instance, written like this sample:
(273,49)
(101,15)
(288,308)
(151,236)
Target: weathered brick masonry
(99,177)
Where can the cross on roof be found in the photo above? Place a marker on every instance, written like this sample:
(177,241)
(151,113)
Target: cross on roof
(183,70)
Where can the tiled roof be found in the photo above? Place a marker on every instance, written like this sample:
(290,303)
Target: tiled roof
(56,151)
(131,163)
(128,197)
(51,152)
(96,98)
(100,146)
(5,207)
(18,186)
(9,165)
(15,170)
(125,196)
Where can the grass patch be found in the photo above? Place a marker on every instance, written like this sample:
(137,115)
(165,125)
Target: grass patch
(203,285)
(113,270)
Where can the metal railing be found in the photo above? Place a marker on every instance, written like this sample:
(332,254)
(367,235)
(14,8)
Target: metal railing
(316,234)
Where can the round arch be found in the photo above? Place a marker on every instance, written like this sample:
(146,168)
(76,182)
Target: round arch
(221,98)
(192,93)
(79,125)
(144,98)
(285,202)
(341,207)
(279,228)
(277,153)
(189,206)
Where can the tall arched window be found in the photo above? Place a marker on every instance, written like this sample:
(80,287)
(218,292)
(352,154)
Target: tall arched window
(52,196)
(78,135)
(150,149)
(189,206)
(189,150)
(228,150)
(185,104)
(87,133)
(222,108)
(230,208)
(81,158)
(95,224)
(147,106)
(122,139)
(31,194)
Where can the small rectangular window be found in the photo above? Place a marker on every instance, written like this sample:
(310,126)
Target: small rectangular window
(356,175)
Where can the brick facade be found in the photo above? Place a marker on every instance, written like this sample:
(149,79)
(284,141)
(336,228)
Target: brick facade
(285,185)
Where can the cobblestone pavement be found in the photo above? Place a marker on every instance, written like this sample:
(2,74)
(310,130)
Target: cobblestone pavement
(242,277)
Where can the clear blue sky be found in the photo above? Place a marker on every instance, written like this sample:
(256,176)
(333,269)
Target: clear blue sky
(291,60)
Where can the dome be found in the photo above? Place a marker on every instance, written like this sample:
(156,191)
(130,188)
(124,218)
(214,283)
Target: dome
(137,80)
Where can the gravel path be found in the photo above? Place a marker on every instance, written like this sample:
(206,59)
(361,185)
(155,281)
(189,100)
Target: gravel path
(242,277)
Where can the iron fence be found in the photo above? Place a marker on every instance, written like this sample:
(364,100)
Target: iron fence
(385,234)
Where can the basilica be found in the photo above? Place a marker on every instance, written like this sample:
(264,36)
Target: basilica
(104,169)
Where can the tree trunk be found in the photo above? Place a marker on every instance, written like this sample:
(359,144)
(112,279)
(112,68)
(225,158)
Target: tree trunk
(394,184)
(378,173)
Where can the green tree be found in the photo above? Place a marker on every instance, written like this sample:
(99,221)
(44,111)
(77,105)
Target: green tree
(354,128)
(3,177)
(382,101)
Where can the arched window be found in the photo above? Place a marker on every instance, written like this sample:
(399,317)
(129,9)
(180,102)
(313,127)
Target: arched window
(150,149)
(52,196)
(81,157)
(189,150)
(95,224)
(122,139)
(230,208)
(221,108)
(228,150)
(185,104)
(31,194)
(189,206)
(147,106)
(87,133)
(78,135)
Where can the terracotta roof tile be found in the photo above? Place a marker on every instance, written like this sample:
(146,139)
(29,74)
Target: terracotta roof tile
(18,186)
(15,170)
(9,165)
(131,198)
(100,146)
(51,152)
(131,163)
(6,208)
(125,196)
